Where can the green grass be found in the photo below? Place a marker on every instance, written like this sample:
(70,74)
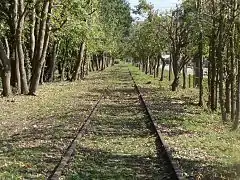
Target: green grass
(204,147)
(118,144)
(35,131)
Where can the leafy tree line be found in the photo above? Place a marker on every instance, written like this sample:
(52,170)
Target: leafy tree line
(47,40)
(193,33)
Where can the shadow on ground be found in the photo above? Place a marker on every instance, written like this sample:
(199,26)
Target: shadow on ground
(39,146)
(173,114)
(32,150)
(100,164)
(118,145)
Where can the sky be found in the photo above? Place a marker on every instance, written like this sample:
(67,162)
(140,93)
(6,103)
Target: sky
(158,4)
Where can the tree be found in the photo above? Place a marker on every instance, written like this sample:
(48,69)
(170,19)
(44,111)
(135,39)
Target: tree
(5,65)
(41,46)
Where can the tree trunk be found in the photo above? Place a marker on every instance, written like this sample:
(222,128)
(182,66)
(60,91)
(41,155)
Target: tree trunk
(200,103)
(163,67)
(175,83)
(83,65)
(143,65)
(227,83)
(184,77)
(96,61)
(209,85)
(32,32)
(200,53)
(189,80)
(158,66)
(15,77)
(7,47)
(41,46)
(87,65)
(150,66)
(92,63)
(170,68)
(227,95)
(6,72)
(90,66)
(41,81)
(220,50)
(217,90)
(154,68)
(176,72)
(196,72)
(102,61)
(78,62)
(24,84)
(82,73)
(213,74)
(147,66)
(51,63)
(237,117)
(61,70)
(17,71)
(41,35)
(232,62)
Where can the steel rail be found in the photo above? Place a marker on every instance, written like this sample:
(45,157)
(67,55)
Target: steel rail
(163,148)
(70,151)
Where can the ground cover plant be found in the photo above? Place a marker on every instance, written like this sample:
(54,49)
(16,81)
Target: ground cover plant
(35,131)
(204,147)
(118,144)
(48,48)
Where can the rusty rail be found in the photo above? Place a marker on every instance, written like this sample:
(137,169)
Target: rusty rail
(70,151)
(162,147)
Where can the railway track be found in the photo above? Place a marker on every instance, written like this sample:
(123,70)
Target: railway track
(163,150)
(167,167)
(70,151)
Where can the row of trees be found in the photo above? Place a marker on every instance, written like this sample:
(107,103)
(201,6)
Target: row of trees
(73,37)
(194,31)
(45,40)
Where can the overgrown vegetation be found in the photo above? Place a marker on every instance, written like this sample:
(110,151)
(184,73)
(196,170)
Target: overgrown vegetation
(118,144)
(204,147)
(35,131)
(49,41)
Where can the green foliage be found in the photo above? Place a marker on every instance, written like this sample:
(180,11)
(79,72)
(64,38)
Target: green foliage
(101,23)
(116,19)
(143,7)
(147,38)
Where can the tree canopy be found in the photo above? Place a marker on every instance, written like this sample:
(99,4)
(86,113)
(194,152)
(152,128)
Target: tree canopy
(43,41)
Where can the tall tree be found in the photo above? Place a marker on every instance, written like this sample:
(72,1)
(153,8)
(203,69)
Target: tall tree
(41,46)
(6,71)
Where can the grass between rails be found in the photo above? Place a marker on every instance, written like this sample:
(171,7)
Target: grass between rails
(203,146)
(34,131)
(118,144)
